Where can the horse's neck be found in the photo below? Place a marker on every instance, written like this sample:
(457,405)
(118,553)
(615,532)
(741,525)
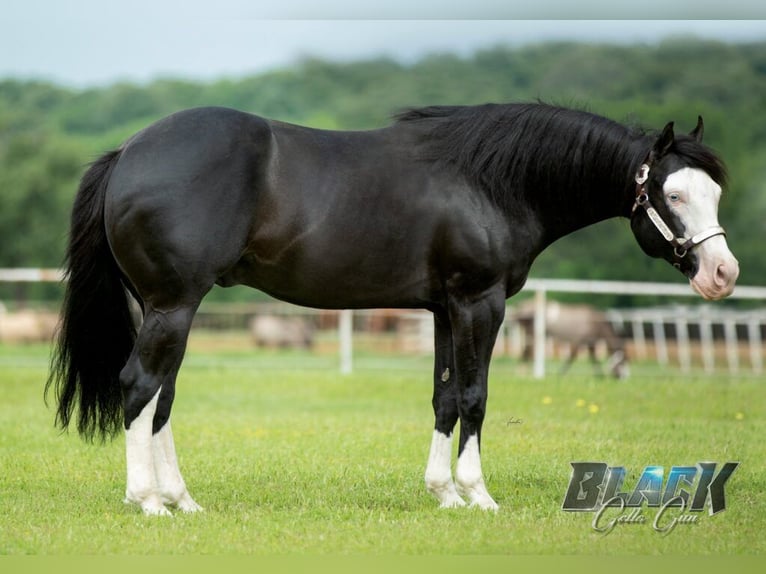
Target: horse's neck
(608,193)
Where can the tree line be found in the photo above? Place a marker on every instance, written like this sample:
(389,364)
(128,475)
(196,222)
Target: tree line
(49,132)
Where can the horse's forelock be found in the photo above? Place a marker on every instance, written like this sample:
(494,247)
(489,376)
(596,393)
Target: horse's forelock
(694,154)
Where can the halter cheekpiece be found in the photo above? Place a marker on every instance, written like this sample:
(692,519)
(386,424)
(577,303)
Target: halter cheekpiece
(681,245)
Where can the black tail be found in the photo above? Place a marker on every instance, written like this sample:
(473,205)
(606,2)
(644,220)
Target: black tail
(97,331)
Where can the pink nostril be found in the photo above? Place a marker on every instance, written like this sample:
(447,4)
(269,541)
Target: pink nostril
(724,275)
(720,276)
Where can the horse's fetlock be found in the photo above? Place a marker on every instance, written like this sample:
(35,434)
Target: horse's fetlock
(438,482)
(468,479)
(172,494)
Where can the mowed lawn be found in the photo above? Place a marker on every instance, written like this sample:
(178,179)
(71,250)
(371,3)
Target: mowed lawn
(289,457)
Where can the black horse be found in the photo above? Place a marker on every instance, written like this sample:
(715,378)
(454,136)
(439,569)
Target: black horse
(445,209)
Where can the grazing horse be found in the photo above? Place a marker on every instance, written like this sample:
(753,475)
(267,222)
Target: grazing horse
(281,332)
(445,209)
(581,326)
(26,326)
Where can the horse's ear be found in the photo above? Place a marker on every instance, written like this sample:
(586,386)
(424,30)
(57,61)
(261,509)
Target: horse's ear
(699,130)
(663,143)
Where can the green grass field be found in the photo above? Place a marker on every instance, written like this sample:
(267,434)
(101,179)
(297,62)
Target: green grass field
(289,457)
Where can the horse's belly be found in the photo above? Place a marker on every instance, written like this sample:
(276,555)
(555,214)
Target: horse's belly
(346,276)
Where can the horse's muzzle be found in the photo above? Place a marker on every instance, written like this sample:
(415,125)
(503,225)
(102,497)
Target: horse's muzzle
(716,281)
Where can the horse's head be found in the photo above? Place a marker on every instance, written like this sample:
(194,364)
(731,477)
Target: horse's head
(675,216)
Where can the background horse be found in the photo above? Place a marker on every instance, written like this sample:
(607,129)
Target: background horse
(579,326)
(26,325)
(445,209)
(275,332)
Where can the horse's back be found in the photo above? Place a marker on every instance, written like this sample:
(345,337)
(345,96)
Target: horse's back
(198,134)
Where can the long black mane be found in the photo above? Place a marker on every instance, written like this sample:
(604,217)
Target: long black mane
(540,153)
(510,150)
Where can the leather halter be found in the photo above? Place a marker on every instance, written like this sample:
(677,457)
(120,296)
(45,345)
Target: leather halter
(681,245)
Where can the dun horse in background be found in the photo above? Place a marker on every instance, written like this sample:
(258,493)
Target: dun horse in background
(27,326)
(580,327)
(445,209)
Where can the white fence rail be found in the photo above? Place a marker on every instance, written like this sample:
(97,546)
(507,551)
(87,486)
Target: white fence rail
(30,275)
(703,323)
(641,321)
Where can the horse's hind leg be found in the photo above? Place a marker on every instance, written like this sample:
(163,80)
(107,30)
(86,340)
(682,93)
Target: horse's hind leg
(598,368)
(148,381)
(575,348)
(171,484)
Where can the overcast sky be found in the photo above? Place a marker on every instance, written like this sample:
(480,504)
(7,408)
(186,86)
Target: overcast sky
(95,42)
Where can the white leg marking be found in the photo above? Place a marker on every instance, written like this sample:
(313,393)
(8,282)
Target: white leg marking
(172,487)
(439,472)
(142,480)
(470,482)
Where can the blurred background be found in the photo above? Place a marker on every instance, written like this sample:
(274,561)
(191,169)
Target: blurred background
(77,78)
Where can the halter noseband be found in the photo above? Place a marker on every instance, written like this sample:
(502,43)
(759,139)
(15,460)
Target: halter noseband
(681,245)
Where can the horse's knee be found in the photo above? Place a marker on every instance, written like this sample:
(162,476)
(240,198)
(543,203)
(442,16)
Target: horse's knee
(473,404)
(445,410)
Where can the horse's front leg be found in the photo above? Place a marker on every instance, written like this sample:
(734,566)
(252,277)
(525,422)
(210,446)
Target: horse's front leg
(439,470)
(475,323)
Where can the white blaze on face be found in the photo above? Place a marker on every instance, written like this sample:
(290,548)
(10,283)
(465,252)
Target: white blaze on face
(693,196)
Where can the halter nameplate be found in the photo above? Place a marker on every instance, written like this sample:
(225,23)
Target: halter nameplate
(661,226)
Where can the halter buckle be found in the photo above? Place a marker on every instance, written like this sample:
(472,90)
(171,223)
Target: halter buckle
(642,174)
